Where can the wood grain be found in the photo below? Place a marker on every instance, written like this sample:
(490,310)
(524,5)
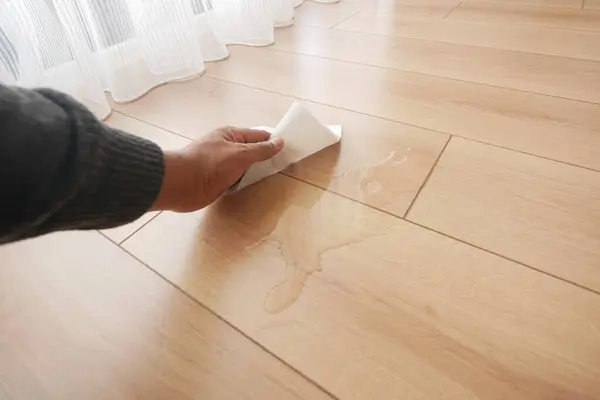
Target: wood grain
(536,211)
(370,5)
(81,319)
(509,14)
(551,127)
(323,15)
(166,140)
(372,307)
(416,9)
(359,302)
(574,79)
(592,4)
(374,152)
(529,39)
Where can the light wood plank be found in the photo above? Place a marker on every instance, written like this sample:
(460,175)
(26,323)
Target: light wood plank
(574,79)
(592,4)
(399,7)
(166,140)
(538,212)
(373,307)
(386,5)
(551,127)
(120,233)
(81,319)
(584,20)
(417,9)
(323,15)
(380,163)
(538,40)
(542,3)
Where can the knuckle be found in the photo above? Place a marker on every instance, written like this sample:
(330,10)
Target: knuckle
(228,132)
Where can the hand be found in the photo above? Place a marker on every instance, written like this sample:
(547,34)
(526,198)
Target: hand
(200,173)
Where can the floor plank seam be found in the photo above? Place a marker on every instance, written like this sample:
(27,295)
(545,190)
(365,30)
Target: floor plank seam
(407,124)
(540,26)
(441,77)
(107,237)
(154,125)
(427,177)
(451,237)
(528,154)
(291,98)
(580,286)
(138,229)
(343,20)
(222,319)
(272,47)
(452,10)
(472,45)
(368,115)
(372,302)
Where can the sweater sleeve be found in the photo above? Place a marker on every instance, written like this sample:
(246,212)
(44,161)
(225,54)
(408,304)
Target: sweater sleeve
(61,168)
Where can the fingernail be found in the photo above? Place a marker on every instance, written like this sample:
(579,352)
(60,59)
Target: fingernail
(277,143)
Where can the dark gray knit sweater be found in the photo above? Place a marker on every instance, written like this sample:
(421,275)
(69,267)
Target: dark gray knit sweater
(61,168)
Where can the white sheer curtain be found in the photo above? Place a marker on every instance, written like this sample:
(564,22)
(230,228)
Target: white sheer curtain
(126,47)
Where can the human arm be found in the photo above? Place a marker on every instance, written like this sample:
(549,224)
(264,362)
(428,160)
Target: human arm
(62,169)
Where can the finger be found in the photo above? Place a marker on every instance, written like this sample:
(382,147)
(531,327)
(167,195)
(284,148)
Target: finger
(245,135)
(264,150)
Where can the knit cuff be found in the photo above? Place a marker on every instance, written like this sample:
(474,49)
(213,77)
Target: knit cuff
(124,179)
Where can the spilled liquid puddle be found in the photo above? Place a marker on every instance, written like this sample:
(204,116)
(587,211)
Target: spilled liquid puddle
(299,270)
(303,245)
(343,174)
(368,183)
(370,186)
(284,294)
(296,239)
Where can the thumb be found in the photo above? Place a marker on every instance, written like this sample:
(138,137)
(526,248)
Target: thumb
(261,151)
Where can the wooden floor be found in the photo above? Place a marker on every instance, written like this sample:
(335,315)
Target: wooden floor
(448,249)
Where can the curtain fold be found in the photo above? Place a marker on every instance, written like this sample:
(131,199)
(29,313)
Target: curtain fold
(126,47)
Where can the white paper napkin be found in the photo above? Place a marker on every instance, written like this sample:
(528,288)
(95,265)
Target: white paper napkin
(303,135)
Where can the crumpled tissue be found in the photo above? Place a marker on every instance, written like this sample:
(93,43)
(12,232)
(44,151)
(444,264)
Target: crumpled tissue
(303,135)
